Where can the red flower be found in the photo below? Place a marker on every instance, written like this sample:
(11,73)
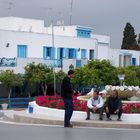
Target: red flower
(57,102)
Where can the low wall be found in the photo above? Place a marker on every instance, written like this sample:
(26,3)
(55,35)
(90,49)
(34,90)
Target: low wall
(51,112)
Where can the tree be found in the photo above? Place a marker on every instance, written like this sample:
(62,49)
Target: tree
(59,76)
(10,79)
(96,73)
(132,75)
(39,74)
(129,37)
(139,39)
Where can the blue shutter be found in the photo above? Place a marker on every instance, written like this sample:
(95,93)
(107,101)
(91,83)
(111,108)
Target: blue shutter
(53,52)
(67,53)
(63,52)
(58,53)
(75,53)
(44,52)
(82,53)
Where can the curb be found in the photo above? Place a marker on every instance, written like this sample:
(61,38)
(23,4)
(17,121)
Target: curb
(82,123)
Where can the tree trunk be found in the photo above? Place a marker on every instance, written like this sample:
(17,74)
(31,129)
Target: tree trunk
(44,88)
(9,95)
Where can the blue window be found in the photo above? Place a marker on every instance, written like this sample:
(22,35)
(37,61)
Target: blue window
(83,53)
(91,54)
(71,53)
(84,34)
(48,52)
(78,63)
(134,61)
(22,51)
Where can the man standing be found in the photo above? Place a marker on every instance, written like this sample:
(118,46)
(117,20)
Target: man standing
(66,93)
(95,105)
(113,105)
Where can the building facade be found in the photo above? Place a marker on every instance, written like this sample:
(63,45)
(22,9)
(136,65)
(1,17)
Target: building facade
(27,40)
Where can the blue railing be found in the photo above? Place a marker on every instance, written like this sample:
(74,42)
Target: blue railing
(53,63)
(16,102)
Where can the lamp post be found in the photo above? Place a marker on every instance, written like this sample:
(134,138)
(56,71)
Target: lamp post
(121,78)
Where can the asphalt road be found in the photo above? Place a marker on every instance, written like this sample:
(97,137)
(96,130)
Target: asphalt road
(33,132)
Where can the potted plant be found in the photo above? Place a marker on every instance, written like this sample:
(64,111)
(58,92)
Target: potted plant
(4,105)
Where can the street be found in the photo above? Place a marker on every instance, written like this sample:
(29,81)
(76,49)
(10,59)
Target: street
(36,132)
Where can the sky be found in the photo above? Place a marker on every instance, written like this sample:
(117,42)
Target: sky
(106,17)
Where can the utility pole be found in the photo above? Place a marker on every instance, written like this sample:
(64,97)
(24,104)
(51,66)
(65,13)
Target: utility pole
(71,6)
(53,59)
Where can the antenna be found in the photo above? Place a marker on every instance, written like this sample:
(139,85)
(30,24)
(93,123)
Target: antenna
(10,6)
(71,11)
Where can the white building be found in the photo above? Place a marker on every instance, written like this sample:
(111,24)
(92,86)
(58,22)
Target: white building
(23,41)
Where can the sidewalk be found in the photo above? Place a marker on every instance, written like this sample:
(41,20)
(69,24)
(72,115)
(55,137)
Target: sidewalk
(21,116)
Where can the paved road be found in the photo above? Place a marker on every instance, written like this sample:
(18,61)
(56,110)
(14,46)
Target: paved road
(33,132)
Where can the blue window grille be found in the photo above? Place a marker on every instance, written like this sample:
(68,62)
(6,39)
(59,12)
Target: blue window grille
(22,51)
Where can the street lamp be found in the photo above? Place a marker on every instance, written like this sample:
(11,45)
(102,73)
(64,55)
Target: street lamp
(121,78)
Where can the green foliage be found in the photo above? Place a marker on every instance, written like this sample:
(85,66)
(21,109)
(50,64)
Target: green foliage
(129,38)
(38,73)
(96,73)
(131,76)
(59,76)
(103,73)
(10,79)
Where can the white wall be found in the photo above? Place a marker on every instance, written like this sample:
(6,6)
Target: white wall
(101,38)
(22,24)
(103,52)
(63,30)
(114,56)
(35,43)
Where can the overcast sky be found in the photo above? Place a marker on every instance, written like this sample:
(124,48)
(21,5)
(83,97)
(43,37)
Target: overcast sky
(106,17)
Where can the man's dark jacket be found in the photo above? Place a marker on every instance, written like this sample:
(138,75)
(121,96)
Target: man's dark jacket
(113,103)
(66,88)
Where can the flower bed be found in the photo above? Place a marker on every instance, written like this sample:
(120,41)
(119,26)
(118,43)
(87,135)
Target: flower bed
(79,105)
(57,102)
(131,108)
